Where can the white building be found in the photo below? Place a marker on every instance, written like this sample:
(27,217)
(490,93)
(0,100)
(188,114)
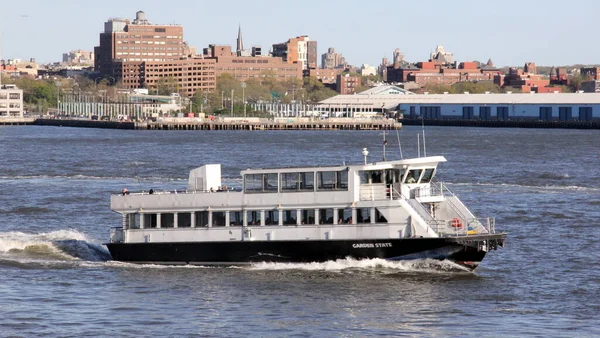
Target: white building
(367,70)
(11,102)
(508,106)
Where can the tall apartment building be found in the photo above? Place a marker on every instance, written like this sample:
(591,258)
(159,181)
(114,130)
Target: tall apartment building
(332,59)
(11,102)
(297,50)
(137,41)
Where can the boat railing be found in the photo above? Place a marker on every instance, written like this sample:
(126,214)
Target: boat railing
(470,227)
(176,191)
(373,192)
(434,189)
(117,235)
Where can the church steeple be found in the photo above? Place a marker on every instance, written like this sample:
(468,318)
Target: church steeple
(240,43)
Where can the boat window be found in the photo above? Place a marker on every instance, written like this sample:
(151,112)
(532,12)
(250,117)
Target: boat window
(304,181)
(260,182)
(342,180)
(379,218)
(236,218)
(218,218)
(201,218)
(394,175)
(270,182)
(167,220)
(184,219)
(289,217)
(326,216)
(272,217)
(253,217)
(307,181)
(253,182)
(371,176)
(427,175)
(332,180)
(345,216)
(134,221)
(413,176)
(150,220)
(363,215)
(308,216)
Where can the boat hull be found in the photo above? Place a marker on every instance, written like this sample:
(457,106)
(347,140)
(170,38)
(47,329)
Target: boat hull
(468,253)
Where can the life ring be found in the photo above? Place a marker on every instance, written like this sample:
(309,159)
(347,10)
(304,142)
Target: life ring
(456,223)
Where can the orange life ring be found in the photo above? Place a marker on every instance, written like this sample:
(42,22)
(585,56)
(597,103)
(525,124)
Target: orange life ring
(456,223)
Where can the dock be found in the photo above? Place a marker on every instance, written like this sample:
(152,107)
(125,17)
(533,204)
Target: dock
(337,124)
(204,124)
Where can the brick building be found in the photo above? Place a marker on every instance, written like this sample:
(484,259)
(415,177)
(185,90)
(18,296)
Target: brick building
(327,76)
(297,50)
(137,41)
(347,84)
(243,68)
(592,73)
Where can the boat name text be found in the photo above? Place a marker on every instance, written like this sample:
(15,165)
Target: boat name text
(371,245)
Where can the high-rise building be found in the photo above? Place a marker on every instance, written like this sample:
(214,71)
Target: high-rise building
(297,50)
(332,59)
(137,41)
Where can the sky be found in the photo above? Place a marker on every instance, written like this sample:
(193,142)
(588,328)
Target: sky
(547,32)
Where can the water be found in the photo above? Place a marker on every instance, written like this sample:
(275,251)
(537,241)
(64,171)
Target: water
(55,280)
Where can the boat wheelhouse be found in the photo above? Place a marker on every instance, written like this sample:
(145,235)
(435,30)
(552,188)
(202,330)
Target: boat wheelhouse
(391,209)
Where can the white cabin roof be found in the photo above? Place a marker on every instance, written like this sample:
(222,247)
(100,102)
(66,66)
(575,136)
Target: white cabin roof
(413,162)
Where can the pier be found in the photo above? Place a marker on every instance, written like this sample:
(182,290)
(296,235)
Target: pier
(238,124)
(291,124)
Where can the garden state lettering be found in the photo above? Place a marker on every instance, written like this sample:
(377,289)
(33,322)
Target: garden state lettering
(371,245)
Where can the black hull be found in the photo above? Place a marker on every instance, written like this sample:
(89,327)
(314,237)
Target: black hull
(464,251)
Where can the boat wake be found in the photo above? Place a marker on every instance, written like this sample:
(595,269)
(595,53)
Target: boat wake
(375,265)
(18,248)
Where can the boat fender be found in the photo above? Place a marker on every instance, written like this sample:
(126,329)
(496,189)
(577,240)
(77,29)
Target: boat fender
(456,223)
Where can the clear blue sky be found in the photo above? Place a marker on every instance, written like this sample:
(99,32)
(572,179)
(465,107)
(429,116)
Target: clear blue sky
(549,32)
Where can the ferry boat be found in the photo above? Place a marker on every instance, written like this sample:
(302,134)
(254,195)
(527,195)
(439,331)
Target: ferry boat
(394,210)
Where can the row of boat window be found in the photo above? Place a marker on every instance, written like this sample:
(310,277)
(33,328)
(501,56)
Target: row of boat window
(330,180)
(298,181)
(254,217)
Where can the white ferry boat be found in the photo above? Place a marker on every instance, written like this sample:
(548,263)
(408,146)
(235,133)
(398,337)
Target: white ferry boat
(393,210)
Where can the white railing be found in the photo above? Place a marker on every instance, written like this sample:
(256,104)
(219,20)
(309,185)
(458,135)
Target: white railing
(373,192)
(433,190)
(467,227)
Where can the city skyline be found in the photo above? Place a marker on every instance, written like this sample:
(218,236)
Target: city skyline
(548,35)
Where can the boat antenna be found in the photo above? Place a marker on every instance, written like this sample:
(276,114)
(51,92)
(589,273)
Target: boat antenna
(399,144)
(423,127)
(418,145)
(384,143)
(365,152)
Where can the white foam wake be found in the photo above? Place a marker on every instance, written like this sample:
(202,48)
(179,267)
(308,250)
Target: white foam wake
(375,264)
(59,244)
